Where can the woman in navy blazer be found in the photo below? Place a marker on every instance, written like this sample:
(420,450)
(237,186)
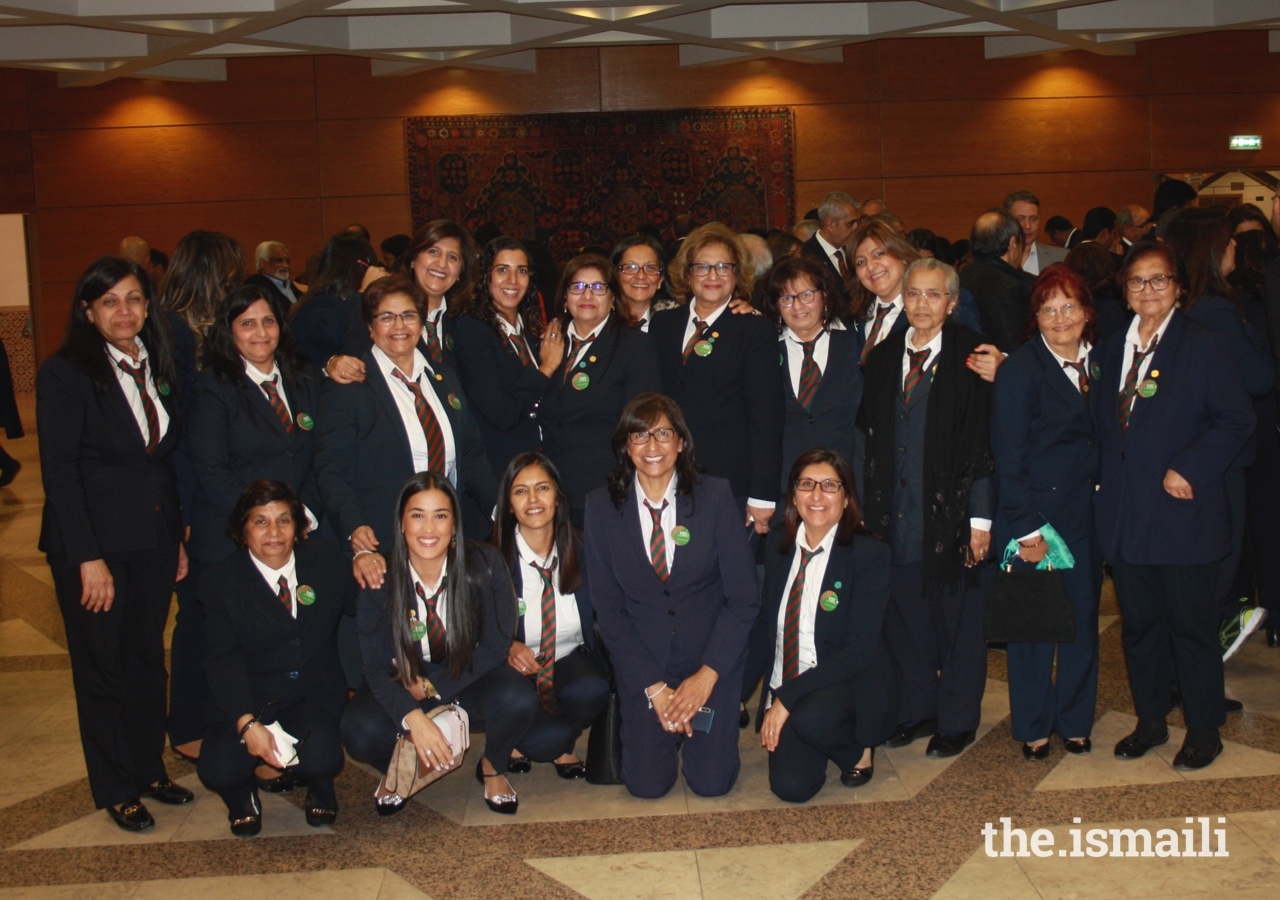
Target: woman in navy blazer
(501,354)
(609,363)
(1045,448)
(106,412)
(831,681)
(555,641)
(674,590)
(1172,414)
(272,614)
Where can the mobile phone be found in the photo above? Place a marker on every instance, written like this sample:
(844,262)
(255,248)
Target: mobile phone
(702,719)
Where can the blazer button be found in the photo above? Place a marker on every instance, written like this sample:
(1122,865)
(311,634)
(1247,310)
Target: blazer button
(671,612)
(810,418)
(293,675)
(666,593)
(297,642)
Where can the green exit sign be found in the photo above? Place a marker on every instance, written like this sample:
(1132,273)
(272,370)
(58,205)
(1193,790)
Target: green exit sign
(1246,142)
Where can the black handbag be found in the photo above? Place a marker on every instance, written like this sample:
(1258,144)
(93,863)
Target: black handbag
(1029,606)
(604,744)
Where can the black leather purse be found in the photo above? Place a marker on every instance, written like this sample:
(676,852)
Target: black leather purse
(1029,606)
(604,743)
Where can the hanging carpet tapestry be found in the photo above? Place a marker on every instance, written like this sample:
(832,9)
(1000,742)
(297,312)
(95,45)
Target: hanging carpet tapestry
(590,178)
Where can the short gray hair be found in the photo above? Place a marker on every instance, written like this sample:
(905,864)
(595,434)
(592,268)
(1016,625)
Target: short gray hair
(758,250)
(932,264)
(1021,197)
(263,251)
(831,206)
(806,228)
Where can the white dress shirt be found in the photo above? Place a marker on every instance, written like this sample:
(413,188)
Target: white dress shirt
(830,250)
(890,317)
(1032,264)
(516,333)
(1070,374)
(668,518)
(130,388)
(568,622)
(813,575)
(422,374)
(428,590)
(572,331)
(1133,342)
(258,377)
(795,354)
(285,286)
(272,577)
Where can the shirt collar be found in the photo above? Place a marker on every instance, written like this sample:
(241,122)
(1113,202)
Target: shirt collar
(802,538)
(528,556)
(256,375)
(117,356)
(594,333)
(438,312)
(789,335)
(669,496)
(429,589)
(1085,349)
(388,368)
(1131,336)
(288,570)
(512,330)
(824,244)
(934,346)
(708,320)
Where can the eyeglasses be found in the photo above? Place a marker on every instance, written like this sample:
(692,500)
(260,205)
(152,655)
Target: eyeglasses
(786,301)
(931,295)
(578,288)
(1159,282)
(830,486)
(632,268)
(408,317)
(704,269)
(661,435)
(1066,313)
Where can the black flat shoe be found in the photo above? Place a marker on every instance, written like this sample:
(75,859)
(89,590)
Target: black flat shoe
(908,733)
(249,822)
(167,792)
(281,784)
(859,775)
(1078,745)
(943,746)
(520,765)
(9,471)
(744,717)
(571,770)
(318,815)
(1192,757)
(1233,706)
(507,804)
(1035,754)
(131,816)
(1273,636)
(1136,745)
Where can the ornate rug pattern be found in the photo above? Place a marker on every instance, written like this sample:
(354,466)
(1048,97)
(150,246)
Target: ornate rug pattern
(590,178)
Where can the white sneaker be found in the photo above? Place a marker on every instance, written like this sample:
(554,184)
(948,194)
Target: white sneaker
(1245,624)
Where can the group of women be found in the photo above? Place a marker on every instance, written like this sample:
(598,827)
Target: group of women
(527,528)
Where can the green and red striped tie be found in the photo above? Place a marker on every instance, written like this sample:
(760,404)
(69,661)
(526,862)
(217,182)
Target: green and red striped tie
(810,375)
(575,345)
(284,594)
(914,372)
(700,332)
(1130,390)
(430,425)
(545,682)
(434,350)
(277,403)
(1082,376)
(658,541)
(148,405)
(521,348)
(791,621)
(435,625)
(882,310)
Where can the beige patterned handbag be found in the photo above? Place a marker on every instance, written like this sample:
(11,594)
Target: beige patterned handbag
(406,775)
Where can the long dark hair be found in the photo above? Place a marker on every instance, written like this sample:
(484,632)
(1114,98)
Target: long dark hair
(1200,236)
(504,526)
(461,595)
(640,415)
(850,519)
(343,262)
(481,305)
(433,233)
(85,346)
(220,353)
(206,266)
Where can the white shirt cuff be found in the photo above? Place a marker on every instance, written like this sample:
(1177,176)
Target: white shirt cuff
(980,524)
(761,504)
(1028,537)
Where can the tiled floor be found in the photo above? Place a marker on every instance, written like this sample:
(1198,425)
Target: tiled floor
(914,831)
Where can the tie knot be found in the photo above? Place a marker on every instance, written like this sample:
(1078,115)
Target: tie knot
(410,384)
(130,370)
(806,555)
(656,511)
(546,571)
(808,347)
(283,583)
(919,356)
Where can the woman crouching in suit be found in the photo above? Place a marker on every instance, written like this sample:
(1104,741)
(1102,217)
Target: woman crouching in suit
(555,642)
(271,629)
(819,641)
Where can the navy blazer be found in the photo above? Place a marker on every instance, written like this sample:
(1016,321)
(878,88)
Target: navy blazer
(1045,447)
(504,393)
(732,398)
(831,420)
(275,296)
(849,639)
(1196,423)
(582,596)
(497,608)
(363,456)
(256,653)
(319,325)
(578,425)
(235,438)
(702,614)
(104,493)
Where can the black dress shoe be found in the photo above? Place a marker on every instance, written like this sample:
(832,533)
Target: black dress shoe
(908,733)
(859,775)
(165,791)
(744,717)
(131,816)
(318,815)
(1196,757)
(9,471)
(942,746)
(1139,742)
(520,765)
(248,821)
(1273,636)
(388,806)
(571,770)
(281,784)
(507,804)
(1233,706)
(1078,745)
(1035,754)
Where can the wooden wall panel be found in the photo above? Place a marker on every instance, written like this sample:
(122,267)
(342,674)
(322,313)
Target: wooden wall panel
(963,137)
(363,156)
(51,311)
(383,216)
(838,140)
(13,100)
(17,183)
(271,90)
(1190,132)
(1217,62)
(190,163)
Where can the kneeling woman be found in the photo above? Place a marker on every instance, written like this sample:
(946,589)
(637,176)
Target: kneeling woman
(832,683)
(438,631)
(674,590)
(271,624)
(555,642)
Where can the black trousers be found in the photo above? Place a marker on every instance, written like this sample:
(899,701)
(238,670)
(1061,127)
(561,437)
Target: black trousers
(1169,623)
(117,668)
(582,692)
(188,687)
(823,726)
(502,701)
(226,765)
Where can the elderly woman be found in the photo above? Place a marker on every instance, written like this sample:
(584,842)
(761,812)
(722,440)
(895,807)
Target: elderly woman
(607,365)
(641,264)
(718,368)
(1043,439)
(1172,414)
(928,492)
(674,591)
(819,640)
(272,611)
(106,410)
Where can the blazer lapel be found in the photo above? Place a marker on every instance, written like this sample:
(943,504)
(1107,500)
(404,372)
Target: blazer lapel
(633,536)
(828,621)
(262,599)
(377,382)
(258,403)
(1060,381)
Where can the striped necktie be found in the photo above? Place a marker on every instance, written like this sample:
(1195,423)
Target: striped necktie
(575,344)
(277,403)
(545,681)
(432,327)
(285,595)
(430,424)
(700,332)
(810,375)
(148,405)
(842,265)
(873,336)
(791,620)
(1082,377)
(522,349)
(658,541)
(1130,390)
(914,373)
(435,625)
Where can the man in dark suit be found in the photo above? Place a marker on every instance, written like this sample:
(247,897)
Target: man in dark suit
(1025,207)
(839,215)
(1133,222)
(1100,228)
(1002,290)
(272,259)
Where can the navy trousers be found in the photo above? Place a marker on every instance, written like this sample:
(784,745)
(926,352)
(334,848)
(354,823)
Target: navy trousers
(582,692)
(822,727)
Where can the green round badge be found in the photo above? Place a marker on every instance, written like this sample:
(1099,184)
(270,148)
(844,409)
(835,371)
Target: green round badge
(448,341)
(305,422)
(520,607)
(306,594)
(1096,371)
(163,388)
(829,600)
(702,348)
(417,630)
(1148,389)
(680,535)
(454,401)
(581,381)
(839,585)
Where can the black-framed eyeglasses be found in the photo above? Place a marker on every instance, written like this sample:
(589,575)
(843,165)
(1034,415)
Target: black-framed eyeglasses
(661,435)
(704,269)
(1137,285)
(578,288)
(408,317)
(829,485)
(632,268)
(786,301)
